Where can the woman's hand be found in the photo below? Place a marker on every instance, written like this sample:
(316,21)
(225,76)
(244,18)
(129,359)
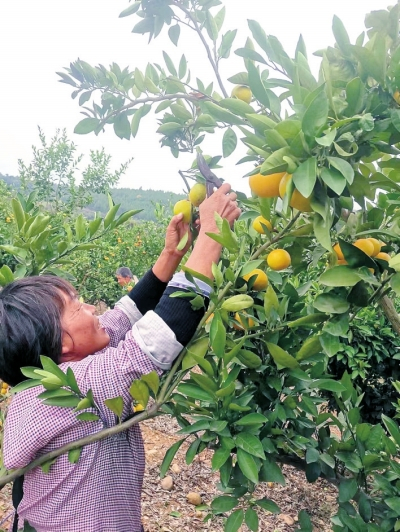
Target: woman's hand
(176,230)
(224,203)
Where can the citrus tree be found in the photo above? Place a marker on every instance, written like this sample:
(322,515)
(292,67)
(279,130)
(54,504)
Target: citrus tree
(316,244)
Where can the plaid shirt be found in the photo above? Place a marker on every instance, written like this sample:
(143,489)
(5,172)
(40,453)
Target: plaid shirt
(101,493)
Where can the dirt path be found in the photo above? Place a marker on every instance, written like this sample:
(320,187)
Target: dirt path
(169,511)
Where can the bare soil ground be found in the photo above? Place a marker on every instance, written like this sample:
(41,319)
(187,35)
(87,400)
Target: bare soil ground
(169,511)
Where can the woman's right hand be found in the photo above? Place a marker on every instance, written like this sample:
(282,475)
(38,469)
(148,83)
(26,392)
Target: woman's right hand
(224,203)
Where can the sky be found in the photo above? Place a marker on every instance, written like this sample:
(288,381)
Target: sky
(40,37)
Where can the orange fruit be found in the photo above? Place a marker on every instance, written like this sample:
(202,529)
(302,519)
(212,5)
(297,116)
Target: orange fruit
(337,249)
(377,246)
(265,186)
(383,256)
(261,281)
(197,194)
(396,96)
(242,92)
(245,323)
(184,207)
(279,259)
(298,201)
(258,227)
(365,245)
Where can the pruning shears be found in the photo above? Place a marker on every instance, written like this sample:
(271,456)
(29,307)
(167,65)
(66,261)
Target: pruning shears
(211,179)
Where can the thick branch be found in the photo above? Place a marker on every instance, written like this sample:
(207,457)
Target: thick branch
(209,54)
(390,312)
(101,435)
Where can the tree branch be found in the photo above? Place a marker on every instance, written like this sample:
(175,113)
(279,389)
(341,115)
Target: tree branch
(93,438)
(209,54)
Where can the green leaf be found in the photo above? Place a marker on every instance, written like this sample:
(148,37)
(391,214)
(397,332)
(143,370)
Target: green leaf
(307,320)
(192,451)
(343,167)
(222,115)
(251,519)
(248,53)
(267,504)
(116,405)
(195,392)
(392,427)
(256,85)
(182,67)
(169,456)
(7,275)
(327,139)
(109,218)
(334,180)
(329,385)
(18,212)
(249,359)
(340,276)
(234,521)
(139,392)
(239,302)
(347,489)
(195,351)
(219,458)
(211,26)
(49,365)
(74,454)
(217,335)
(224,503)
(170,64)
(152,380)
(331,303)
(205,382)
(340,33)
(174,33)
(394,504)
(250,443)
(229,142)
(281,357)
(85,126)
(305,176)
(247,465)
(135,122)
(63,402)
(251,419)
(87,416)
(316,116)
(355,95)
(310,347)
(355,256)
(130,10)
(25,385)
(225,48)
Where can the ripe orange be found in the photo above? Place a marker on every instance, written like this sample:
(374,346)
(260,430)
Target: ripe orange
(298,201)
(197,194)
(258,227)
(245,323)
(383,256)
(261,281)
(242,92)
(279,259)
(396,96)
(185,207)
(365,245)
(377,246)
(337,249)
(265,186)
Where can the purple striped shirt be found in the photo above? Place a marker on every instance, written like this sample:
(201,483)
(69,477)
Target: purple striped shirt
(101,493)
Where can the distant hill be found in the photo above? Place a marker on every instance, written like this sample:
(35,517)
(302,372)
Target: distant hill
(129,198)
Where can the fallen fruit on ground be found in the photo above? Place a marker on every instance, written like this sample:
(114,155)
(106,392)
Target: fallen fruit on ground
(197,194)
(194,498)
(297,201)
(279,259)
(258,224)
(265,186)
(184,207)
(261,280)
(242,92)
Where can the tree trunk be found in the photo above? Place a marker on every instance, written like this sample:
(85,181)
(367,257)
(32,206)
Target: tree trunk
(390,312)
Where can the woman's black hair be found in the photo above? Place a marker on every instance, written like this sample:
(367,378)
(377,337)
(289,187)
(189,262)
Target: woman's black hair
(30,323)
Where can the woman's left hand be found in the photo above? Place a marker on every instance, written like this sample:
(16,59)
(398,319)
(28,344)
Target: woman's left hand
(176,230)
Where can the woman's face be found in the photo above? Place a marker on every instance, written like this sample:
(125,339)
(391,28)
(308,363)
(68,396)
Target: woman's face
(82,332)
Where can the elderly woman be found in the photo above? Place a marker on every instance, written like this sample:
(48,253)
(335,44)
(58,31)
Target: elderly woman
(145,332)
